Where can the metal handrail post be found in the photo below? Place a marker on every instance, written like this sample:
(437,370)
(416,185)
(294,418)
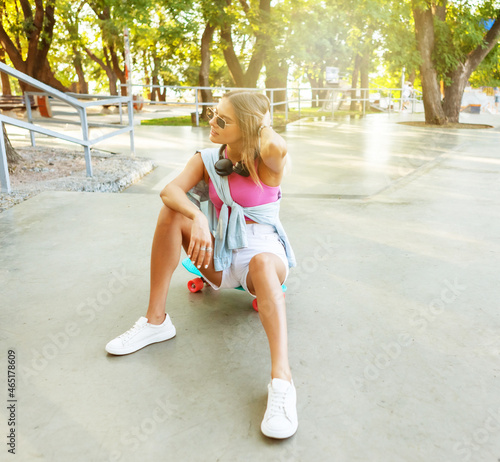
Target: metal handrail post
(27,103)
(272,107)
(299,102)
(196,108)
(4,168)
(130,108)
(333,103)
(85,136)
(286,104)
(120,112)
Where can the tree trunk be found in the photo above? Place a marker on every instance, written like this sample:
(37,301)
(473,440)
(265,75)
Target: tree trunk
(232,60)
(460,76)
(424,31)
(315,93)
(44,74)
(119,73)
(452,102)
(354,83)
(277,77)
(83,86)
(365,78)
(250,77)
(203,76)
(109,71)
(39,38)
(13,157)
(6,88)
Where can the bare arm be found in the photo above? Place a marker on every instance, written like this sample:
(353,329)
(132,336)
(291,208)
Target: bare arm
(174,197)
(272,150)
(174,194)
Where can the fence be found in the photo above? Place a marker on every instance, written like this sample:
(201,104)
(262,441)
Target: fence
(380,98)
(81,110)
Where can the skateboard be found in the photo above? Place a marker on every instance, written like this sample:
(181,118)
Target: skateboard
(196,284)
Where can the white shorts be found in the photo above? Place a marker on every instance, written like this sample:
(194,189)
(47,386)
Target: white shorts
(261,239)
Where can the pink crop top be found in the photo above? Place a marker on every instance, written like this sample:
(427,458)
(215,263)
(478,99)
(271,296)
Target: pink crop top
(245,192)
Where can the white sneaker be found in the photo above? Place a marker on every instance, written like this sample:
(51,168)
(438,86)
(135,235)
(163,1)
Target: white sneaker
(280,419)
(141,335)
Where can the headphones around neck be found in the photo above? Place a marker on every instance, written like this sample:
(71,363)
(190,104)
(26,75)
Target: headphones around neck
(224,166)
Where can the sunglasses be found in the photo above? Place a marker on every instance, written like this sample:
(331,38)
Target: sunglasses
(212,112)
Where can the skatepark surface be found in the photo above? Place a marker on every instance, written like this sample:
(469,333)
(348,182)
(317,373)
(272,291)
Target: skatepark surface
(393,309)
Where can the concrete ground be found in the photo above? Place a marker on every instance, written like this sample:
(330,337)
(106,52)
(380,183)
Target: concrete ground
(393,310)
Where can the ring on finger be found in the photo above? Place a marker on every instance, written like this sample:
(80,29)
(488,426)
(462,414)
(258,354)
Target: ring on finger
(203,248)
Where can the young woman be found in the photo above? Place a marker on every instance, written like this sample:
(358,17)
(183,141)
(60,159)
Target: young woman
(238,242)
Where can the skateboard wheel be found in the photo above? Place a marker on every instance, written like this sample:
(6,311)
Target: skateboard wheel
(256,306)
(195,285)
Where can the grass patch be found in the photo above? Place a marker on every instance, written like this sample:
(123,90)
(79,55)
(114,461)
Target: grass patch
(173,121)
(279,117)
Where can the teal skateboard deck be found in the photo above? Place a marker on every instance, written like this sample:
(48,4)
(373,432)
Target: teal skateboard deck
(195,285)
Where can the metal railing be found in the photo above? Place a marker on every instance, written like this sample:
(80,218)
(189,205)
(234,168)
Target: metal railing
(293,97)
(81,110)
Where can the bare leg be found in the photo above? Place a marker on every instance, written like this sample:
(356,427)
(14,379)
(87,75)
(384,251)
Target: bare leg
(266,272)
(172,230)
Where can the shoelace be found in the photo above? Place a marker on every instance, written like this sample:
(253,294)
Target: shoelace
(126,335)
(277,405)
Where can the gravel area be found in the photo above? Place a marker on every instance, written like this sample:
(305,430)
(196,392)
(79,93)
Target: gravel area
(55,169)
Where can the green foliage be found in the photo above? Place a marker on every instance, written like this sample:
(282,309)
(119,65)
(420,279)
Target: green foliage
(488,72)
(317,38)
(460,34)
(304,35)
(399,43)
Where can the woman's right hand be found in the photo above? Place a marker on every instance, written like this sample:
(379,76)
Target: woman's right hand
(200,248)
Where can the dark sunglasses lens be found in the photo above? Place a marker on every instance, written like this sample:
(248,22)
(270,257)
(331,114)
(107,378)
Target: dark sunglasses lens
(221,122)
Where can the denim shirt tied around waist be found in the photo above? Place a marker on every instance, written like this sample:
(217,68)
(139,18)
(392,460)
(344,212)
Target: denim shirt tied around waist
(229,230)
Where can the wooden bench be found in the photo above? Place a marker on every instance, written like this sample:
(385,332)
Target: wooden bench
(42,103)
(9,102)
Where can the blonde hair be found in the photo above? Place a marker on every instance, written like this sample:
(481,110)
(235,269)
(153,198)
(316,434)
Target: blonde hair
(249,108)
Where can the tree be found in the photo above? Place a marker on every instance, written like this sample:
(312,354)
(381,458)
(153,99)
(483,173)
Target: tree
(211,12)
(112,40)
(452,42)
(6,88)
(366,19)
(399,44)
(27,38)
(252,21)
(13,157)
(316,39)
(70,18)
